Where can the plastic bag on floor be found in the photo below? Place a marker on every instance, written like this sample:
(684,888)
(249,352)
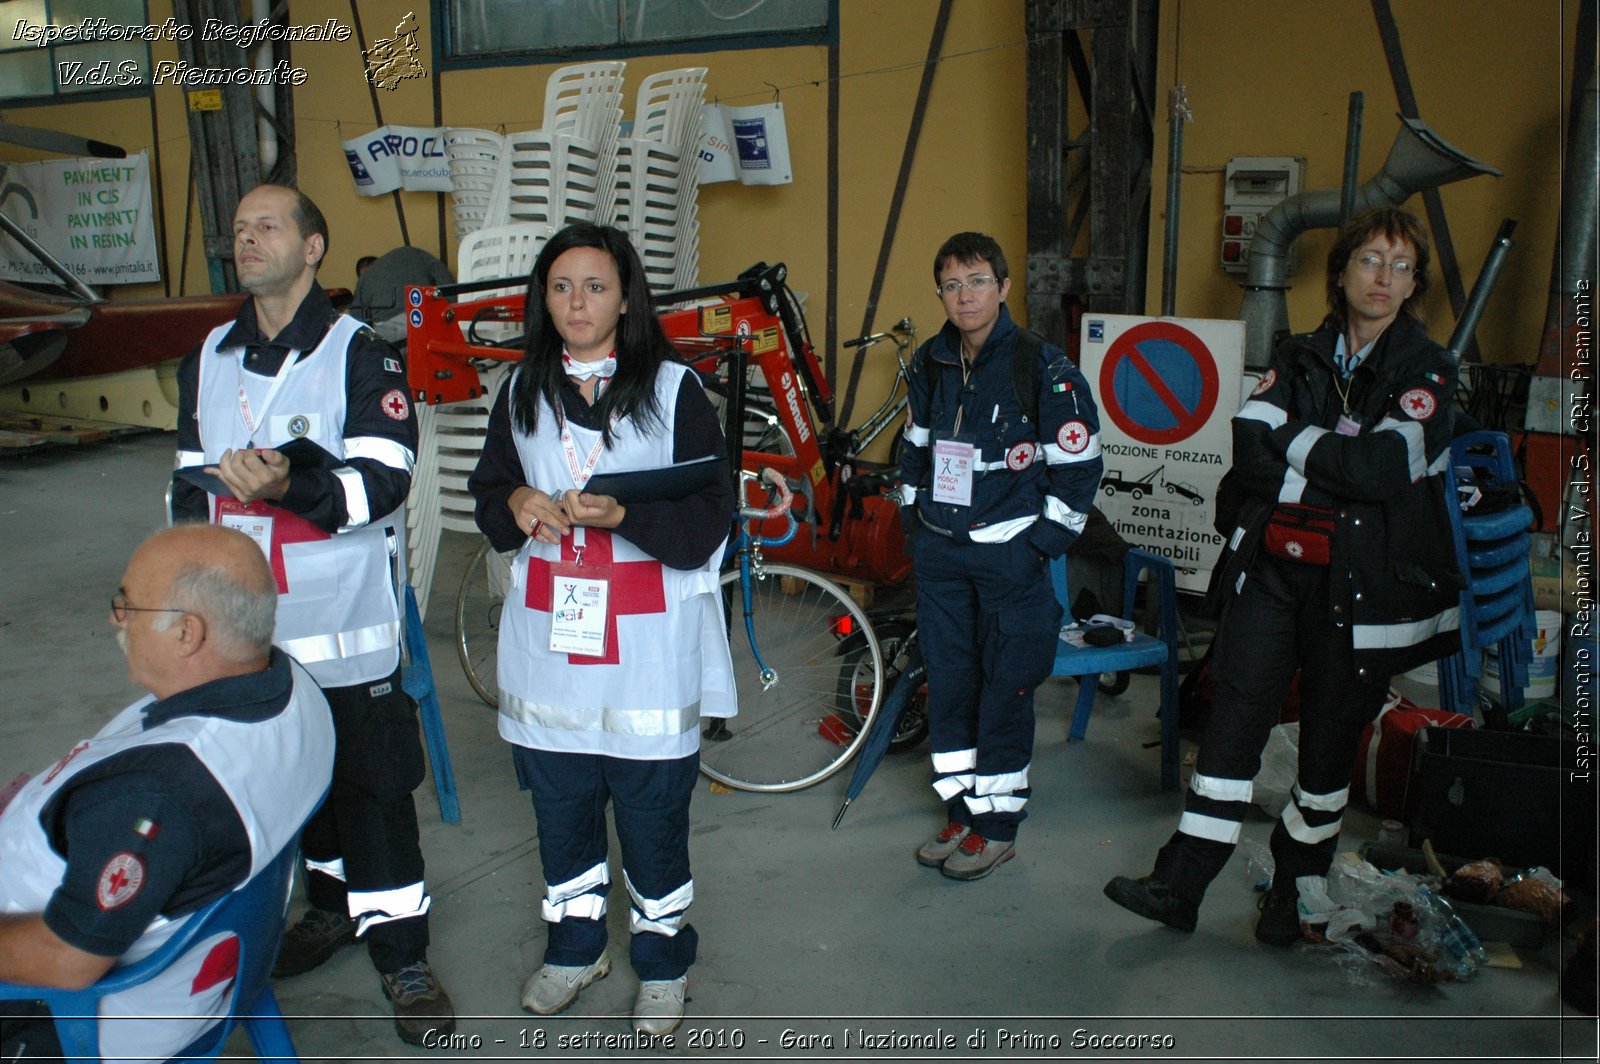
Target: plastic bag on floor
(1392,920)
(1280,767)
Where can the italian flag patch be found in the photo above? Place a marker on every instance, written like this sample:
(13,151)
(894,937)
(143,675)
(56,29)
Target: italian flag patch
(146,828)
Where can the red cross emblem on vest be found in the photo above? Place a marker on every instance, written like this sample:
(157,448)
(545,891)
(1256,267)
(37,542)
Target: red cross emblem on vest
(635,588)
(286,528)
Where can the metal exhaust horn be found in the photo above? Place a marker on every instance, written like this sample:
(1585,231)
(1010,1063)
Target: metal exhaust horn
(1419,159)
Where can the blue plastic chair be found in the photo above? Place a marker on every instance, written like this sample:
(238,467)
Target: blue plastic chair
(255,913)
(416,676)
(1160,649)
(1497,605)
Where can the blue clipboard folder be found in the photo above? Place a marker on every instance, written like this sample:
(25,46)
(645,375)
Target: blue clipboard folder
(303,454)
(661,484)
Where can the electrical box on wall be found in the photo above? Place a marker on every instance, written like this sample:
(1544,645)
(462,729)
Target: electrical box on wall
(1252,185)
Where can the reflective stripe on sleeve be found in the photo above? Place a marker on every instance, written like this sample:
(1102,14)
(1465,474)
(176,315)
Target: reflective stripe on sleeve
(356,509)
(1416,444)
(1264,412)
(1304,440)
(388,452)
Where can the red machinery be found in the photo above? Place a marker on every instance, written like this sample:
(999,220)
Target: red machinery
(747,333)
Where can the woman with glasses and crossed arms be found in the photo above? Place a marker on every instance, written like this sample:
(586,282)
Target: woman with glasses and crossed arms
(993,487)
(1338,563)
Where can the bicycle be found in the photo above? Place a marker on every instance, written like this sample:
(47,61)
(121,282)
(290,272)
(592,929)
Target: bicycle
(808,670)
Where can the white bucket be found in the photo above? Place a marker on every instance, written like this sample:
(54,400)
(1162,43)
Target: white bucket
(1421,685)
(1544,667)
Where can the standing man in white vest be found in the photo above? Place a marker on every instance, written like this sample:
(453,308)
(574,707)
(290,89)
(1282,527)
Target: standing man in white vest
(290,368)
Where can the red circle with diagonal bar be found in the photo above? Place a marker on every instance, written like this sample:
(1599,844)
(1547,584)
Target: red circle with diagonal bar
(1158,383)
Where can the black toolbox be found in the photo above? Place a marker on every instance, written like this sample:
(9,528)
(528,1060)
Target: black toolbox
(1525,799)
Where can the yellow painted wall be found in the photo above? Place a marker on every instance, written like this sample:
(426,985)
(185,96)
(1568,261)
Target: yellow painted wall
(1262,78)
(1491,77)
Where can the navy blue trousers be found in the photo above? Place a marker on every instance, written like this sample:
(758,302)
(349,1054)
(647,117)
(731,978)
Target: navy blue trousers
(988,622)
(370,819)
(1281,620)
(650,804)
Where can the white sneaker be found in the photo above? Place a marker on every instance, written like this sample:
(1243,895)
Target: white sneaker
(659,1008)
(555,986)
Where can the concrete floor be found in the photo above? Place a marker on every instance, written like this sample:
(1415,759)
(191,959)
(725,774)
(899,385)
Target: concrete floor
(824,933)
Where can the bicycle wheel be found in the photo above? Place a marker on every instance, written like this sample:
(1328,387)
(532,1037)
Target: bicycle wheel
(795,729)
(478,606)
(893,642)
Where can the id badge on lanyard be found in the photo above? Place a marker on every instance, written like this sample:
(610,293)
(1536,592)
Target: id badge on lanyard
(953,462)
(579,600)
(243,518)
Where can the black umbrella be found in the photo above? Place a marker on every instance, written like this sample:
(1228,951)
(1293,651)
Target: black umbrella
(887,722)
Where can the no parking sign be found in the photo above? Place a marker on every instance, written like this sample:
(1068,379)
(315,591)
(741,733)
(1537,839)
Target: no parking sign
(1168,389)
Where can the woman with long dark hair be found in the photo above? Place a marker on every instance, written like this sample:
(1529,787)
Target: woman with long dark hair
(612,643)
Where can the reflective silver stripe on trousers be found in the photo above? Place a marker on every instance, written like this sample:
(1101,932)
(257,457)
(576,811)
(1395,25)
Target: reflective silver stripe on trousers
(575,897)
(1001,782)
(994,803)
(955,760)
(614,721)
(1300,831)
(664,916)
(352,644)
(950,786)
(373,907)
(1210,827)
(1327,803)
(334,868)
(1220,789)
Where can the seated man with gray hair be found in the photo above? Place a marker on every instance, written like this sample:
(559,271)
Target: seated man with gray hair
(181,798)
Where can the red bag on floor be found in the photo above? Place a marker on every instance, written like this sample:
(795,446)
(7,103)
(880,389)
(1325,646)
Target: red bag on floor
(1382,772)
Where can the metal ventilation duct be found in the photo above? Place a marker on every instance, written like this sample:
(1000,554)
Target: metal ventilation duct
(1419,160)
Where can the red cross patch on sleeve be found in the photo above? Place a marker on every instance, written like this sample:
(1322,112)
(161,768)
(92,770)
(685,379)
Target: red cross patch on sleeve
(120,881)
(1418,404)
(1265,384)
(395,404)
(1073,437)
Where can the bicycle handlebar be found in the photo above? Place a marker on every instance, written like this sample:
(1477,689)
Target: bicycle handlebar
(775,481)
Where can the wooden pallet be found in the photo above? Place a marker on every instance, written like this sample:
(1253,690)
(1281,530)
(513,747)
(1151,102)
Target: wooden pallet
(26,432)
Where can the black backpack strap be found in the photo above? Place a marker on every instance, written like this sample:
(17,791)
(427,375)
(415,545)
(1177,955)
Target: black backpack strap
(1025,372)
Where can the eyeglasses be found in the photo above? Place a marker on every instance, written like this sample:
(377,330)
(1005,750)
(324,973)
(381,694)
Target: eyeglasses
(120,608)
(1370,263)
(979,285)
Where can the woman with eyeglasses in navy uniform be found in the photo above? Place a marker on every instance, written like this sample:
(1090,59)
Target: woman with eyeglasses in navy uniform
(1338,563)
(993,487)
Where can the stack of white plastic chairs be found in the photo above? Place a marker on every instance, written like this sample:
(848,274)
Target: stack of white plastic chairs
(451,434)
(657,178)
(474,156)
(564,171)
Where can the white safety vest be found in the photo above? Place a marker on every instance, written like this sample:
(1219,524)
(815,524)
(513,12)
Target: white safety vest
(667,662)
(338,603)
(275,771)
